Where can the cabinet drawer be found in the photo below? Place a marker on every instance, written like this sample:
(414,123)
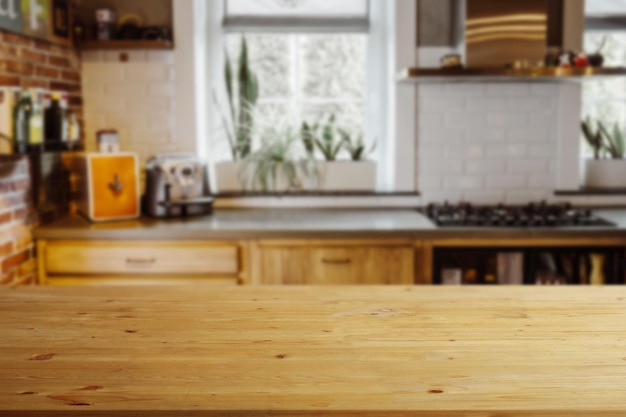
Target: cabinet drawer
(101,258)
(333,265)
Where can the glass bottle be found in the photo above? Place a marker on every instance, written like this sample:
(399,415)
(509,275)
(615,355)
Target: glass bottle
(22,113)
(56,124)
(36,121)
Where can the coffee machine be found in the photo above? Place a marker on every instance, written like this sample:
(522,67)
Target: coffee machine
(176,186)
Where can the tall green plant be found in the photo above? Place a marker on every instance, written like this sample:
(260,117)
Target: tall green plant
(602,142)
(593,138)
(615,143)
(242,100)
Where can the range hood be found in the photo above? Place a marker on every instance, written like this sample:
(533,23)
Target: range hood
(496,34)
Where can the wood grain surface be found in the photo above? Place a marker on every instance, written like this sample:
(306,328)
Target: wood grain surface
(313,351)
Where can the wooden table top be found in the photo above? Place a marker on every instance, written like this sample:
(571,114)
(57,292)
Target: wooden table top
(310,351)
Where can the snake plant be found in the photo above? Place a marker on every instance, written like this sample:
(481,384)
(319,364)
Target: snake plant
(603,142)
(355,146)
(242,91)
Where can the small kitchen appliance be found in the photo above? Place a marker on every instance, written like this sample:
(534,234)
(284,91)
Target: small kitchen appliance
(176,186)
(108,185)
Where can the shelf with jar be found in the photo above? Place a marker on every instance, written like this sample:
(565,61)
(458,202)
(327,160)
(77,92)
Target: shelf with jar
(120,29)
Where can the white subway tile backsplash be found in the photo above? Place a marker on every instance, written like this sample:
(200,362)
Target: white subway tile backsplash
(507,120)
(430,120)
(440,104)
(465,90)
(101,72)
(148,105)
(542,150)
(439,166)
(166,89)
(506,181)
(544,89)
(485,104)
(135,97)
(441,135)
(485,166)
(464,151)
(463,119)
(126,89)
(544,119)
(489,143)
(484,197)
(430,182)
(528,166)
(508,89)
(161,56)
(524,197)
(431,150)
(531,104)
(122,56)
(143,72)
(541,181)
(509,150)
(463,182)
(483,135)
(532,135)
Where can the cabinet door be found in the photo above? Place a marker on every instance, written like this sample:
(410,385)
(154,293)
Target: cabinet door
(337,265)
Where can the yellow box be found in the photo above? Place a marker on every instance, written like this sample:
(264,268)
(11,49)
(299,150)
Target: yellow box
(108,185)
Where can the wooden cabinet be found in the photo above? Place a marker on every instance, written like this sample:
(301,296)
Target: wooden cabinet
(88,263)
(334,262)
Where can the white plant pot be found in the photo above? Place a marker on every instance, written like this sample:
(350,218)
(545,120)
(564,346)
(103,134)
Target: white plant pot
(227,177)
(347,175)
(331,176)
(605,173)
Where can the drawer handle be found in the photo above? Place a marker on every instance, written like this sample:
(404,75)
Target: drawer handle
(337,261)
(140,261)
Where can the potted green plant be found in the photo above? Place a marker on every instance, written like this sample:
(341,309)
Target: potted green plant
(242,92)
(278,165)
(607,169)
(336,173)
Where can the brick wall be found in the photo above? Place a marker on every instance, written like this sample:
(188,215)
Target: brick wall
(30,63)
(17,217)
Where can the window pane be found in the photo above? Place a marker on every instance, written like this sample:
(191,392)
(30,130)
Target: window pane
(297,8)
(333,66)
(348,116)
(306,78)
(269,59)
(605,7)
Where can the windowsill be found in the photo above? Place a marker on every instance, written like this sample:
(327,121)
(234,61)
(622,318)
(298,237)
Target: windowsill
(308,194)
(327,200)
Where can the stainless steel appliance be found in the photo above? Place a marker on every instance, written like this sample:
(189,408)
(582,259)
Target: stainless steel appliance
(530,215)
(176,186)
(524,265)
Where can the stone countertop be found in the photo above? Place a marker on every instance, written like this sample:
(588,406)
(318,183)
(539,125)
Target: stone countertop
(311,224)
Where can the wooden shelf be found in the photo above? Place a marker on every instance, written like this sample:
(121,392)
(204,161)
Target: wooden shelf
(549,74)
(125,44)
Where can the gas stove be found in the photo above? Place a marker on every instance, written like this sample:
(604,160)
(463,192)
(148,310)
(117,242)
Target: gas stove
(532,215)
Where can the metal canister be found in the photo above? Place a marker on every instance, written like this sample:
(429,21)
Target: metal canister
(106,23)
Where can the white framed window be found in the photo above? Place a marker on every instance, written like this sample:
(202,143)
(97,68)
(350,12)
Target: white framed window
(604,99)
(360,86)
